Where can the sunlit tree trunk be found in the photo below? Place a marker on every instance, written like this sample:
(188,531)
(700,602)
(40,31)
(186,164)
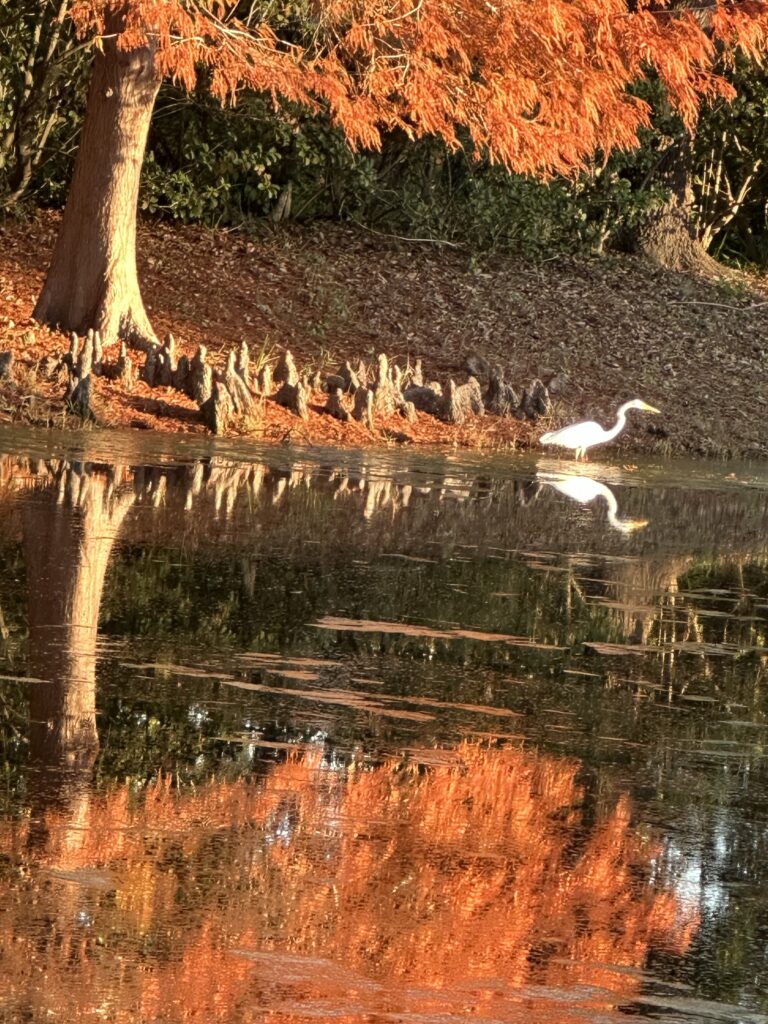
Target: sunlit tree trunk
(92,280)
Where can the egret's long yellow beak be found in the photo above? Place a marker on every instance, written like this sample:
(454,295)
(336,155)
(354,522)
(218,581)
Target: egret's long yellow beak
(630,525)
(650,408)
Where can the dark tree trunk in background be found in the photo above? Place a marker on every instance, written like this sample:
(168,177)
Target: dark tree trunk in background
(41,82)
(669,235)
(92,280)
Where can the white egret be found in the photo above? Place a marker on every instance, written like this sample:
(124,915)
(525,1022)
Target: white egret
(584,490)
(581,436)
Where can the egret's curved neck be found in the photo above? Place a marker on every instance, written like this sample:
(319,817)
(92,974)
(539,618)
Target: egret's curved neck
(613,507)
(621,420)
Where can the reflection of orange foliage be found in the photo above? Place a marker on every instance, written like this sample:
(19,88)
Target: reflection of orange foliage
(388,889)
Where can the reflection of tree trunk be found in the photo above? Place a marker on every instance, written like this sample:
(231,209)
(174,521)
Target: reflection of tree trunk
(68,547)
(642,588)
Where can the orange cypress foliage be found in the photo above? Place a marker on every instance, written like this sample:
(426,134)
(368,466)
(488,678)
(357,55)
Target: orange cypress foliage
(460,890)
(539,85)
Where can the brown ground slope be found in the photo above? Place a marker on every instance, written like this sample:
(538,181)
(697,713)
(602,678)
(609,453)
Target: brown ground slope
(614,328)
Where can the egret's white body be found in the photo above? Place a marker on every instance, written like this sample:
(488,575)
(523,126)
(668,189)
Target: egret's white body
(584,490)
(581,436)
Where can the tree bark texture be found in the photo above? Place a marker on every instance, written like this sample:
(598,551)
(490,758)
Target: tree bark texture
(92,280)
(669,235)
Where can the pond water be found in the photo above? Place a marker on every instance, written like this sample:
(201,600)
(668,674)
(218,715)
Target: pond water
(295,735)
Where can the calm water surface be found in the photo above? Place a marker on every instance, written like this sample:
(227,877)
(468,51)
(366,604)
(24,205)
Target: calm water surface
(296,735)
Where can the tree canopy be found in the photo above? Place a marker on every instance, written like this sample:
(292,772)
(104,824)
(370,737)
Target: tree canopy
(538,85)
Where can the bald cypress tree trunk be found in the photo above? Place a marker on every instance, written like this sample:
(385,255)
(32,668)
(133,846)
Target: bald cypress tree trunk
(92,280)
(669,236)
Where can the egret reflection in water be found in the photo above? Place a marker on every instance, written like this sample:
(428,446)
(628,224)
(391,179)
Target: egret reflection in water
(584,490)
